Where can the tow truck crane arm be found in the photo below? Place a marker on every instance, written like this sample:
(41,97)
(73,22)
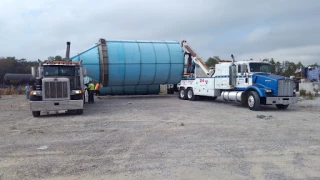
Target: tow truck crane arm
(196,59)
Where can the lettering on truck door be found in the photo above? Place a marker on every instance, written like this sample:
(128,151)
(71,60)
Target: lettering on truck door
(202,86)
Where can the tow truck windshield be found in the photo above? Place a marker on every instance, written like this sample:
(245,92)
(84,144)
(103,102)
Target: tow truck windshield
(59,71)
(260,67)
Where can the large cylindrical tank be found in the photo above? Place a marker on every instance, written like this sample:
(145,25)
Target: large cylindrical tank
(133,67)
(130,90)
(127,90)
(17,79)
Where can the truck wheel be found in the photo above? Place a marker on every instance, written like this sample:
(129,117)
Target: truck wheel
(79,111)
(253,100)
(282,106)
(191,95)
(36,113)
(183,94)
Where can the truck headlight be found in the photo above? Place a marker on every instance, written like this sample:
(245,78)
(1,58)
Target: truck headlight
(76,92)
(35,93)
(268,90)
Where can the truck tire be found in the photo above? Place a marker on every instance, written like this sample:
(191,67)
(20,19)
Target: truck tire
(170,91)
(282,106)
(253,100)
(191,95)
(214,98)
(79,111)
(36,113)
(183,94)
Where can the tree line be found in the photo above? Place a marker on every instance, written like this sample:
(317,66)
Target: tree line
(22,66)
(18,66)
(284,68)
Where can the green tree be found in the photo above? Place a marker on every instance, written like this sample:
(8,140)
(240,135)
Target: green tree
(57,58)
(51,58)
(314,65)
(212,61)
(13,65)
(278,68)
(290,68)
(302,69)
(273,65)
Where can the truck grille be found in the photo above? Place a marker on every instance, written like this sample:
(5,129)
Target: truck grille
(56,90)
(285,87)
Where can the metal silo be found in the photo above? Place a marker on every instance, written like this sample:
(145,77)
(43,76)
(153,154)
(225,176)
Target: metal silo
(133,67)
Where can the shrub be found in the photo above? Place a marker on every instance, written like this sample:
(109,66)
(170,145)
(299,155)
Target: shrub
(310,96)
(303,92)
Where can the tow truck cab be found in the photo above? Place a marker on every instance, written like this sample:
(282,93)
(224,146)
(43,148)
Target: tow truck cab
(271,88)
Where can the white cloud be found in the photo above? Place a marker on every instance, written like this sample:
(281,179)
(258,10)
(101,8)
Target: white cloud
(258,33)
(38,29)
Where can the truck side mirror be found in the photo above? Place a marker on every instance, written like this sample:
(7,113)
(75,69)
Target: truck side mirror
(84,71)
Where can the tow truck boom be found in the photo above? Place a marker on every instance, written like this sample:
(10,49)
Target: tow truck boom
(196,59)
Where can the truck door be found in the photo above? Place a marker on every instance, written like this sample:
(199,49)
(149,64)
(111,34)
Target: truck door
(242,76)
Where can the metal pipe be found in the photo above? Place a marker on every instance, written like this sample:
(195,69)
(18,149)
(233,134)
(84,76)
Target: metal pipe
(68,51)
(33,71)
(232,59)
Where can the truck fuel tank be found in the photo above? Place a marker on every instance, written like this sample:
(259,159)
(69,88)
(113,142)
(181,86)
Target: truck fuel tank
(232,95)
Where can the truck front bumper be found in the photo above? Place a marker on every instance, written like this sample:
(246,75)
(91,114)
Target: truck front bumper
(281,100)
(56,105)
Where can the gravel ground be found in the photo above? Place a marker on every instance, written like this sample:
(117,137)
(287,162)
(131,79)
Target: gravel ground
(160,137)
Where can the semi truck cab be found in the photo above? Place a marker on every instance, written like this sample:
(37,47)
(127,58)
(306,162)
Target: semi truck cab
(255,79)
(59,86)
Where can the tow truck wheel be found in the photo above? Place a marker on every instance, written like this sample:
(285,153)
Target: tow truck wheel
(183,94)
(282,106)
(253,100)
(191,95)
(36,113)
(79,111)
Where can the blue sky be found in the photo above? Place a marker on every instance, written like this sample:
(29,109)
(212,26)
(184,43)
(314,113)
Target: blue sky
(279,29)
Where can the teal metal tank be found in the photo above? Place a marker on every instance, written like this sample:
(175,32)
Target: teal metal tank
(133,67)
(127,90)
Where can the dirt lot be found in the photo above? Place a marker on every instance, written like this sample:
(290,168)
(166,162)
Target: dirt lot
(160,137)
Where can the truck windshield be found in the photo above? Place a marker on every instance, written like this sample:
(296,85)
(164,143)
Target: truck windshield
(59,71)
(260,67)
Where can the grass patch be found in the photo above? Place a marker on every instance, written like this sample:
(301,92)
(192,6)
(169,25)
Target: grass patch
(309,95)
(316,92)
(12,90)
